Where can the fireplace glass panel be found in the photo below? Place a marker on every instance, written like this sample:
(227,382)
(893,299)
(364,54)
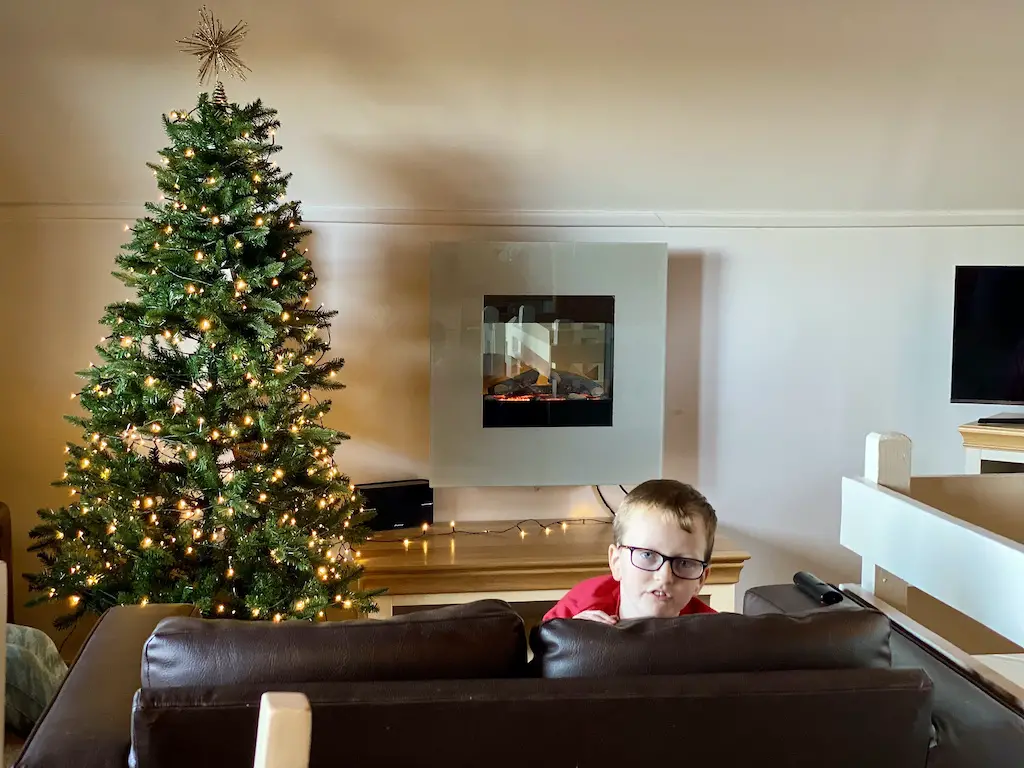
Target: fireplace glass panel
(548,361)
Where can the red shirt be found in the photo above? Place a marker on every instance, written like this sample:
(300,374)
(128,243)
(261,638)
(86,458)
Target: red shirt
(601,593)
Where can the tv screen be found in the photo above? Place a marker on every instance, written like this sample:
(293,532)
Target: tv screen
(988,336)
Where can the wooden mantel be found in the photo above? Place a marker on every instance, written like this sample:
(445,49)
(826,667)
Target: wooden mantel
(495,559)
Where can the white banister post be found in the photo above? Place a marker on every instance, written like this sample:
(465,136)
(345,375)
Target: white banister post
(887,462)
(285,731)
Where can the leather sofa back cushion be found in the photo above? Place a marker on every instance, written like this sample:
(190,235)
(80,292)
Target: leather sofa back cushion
(477,640)
(712,643)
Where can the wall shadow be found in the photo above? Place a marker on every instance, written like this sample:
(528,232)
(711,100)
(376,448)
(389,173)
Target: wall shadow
(378,277)
(710,335)
(683,352)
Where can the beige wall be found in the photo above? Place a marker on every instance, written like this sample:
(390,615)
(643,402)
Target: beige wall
(820,166)
(579,104)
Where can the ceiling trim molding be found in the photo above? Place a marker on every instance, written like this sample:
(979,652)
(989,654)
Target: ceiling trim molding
(326,214)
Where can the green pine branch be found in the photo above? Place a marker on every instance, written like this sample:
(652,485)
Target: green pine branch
(204,472)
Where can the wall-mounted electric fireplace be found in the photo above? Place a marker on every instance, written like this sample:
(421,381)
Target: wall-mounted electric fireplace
(548,361)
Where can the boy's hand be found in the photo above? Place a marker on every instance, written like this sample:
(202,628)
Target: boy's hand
(598,616)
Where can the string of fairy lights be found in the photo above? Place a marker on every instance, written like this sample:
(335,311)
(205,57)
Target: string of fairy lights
(334,549)
(216,220)
(427,531)
(171,440)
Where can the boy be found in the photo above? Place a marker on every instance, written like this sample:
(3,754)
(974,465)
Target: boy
(663,534)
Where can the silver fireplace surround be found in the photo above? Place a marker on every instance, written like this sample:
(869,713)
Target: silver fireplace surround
(547,363)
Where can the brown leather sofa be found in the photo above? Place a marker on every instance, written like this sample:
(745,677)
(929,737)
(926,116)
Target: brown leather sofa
(974,725)
(155,688)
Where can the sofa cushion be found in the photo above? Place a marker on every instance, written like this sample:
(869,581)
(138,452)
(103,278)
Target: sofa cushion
(712,643)
(477,640)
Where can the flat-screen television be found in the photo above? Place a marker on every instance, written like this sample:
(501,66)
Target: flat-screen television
(988,335)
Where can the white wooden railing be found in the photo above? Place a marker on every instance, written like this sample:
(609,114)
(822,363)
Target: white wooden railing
(957,538)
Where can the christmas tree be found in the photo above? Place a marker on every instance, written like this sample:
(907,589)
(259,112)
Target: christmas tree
(205,474)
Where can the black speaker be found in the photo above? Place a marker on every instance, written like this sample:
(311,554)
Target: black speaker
(398,504)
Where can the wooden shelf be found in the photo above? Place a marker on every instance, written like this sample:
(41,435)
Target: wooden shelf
(475,560)
(994,437)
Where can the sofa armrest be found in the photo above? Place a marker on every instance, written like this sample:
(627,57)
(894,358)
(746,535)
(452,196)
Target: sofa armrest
(788,598)
(88,722)
(972,728)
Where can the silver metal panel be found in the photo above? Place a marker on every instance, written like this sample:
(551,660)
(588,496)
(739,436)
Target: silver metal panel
(465,454)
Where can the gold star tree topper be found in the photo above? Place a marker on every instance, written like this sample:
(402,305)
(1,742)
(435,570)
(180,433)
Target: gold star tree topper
(216,49)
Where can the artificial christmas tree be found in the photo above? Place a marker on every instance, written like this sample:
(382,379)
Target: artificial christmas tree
(205,474)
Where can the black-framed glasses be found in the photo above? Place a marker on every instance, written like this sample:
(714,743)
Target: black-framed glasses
(651,560)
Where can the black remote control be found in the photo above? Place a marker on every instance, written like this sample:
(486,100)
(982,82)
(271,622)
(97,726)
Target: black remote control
(811,585)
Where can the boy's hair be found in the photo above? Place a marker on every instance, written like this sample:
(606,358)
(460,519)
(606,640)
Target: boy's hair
(681,501)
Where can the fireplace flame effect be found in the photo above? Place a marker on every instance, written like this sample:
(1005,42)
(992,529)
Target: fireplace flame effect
(538,397)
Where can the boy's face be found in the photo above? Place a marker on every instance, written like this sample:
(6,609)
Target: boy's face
(658,594)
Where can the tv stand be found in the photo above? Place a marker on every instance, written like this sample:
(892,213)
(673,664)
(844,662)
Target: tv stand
(1012,419)
(990,446)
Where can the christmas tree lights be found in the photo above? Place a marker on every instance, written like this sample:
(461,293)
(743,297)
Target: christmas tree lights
(205,473)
